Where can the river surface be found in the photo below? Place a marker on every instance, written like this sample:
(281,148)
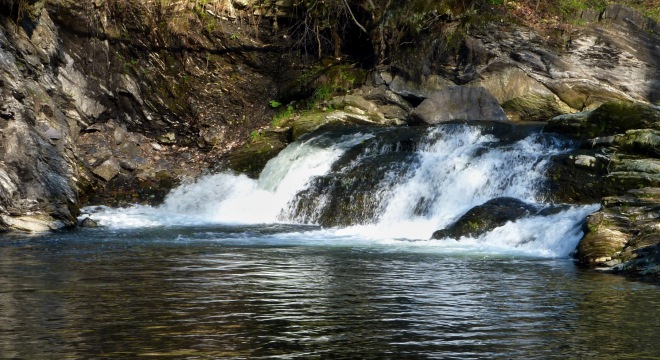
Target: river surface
(280,291)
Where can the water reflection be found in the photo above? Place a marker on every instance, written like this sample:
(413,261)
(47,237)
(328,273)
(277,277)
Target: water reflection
(108,297)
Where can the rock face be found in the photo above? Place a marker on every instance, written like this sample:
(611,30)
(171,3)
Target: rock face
(486,217)
(38,125)
(459,103)
(620,163)
(624,236)
(613,58)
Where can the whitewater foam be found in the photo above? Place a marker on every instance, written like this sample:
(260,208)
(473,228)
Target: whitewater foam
(455,168)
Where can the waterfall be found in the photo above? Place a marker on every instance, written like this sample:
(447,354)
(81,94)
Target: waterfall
(383,184)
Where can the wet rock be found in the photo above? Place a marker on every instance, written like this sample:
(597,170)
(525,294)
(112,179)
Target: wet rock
(251,158)
(88,223)
(486,217)
(624,235)
(459,103)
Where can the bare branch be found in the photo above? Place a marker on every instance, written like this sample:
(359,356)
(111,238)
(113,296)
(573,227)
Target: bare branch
(353,17)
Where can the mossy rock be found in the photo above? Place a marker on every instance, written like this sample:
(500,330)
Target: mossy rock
(534,107)
(640,141)
(310,122)
(609,119)
(486,217)
(251,158)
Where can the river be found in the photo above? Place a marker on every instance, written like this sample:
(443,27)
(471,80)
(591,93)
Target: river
(328,255)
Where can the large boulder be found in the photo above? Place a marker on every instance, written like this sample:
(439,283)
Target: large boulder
(459,103)
(486,217)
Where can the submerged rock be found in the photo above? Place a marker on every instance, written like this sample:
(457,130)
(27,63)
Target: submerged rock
(459,103)
(486,217)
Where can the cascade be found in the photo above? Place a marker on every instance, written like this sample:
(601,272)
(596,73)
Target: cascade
(383,183)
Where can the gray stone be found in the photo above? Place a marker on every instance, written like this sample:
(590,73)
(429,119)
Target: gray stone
(108,169)
(459,103)
(418,89)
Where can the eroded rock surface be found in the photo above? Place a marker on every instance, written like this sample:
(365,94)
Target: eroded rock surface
(624,236)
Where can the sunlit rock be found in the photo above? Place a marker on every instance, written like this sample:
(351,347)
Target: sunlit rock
(459,103)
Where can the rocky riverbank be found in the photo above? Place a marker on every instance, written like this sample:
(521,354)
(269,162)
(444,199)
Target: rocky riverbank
(115,102)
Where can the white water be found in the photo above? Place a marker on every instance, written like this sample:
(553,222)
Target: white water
(452,174)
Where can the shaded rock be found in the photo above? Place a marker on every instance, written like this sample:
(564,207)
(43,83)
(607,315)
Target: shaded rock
(132,163)
(383,96)
(88,223)
(459,103)
(418,90)
(571,182)
(486,217)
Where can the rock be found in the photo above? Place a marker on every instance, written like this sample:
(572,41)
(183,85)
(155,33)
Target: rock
(418,90)
(608,119)
(33,223)
(167,139)
(132,163)
(645,142)
(251,158)
(53,134)
(522,97)
(356,101)
(383,96)
(108,169)
(37,156)
(314,120)
(459,103)
(88,223)
(486,217)
(213,136)
(626,230)
(578,178)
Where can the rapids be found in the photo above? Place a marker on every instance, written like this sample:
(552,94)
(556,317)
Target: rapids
(382,187)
